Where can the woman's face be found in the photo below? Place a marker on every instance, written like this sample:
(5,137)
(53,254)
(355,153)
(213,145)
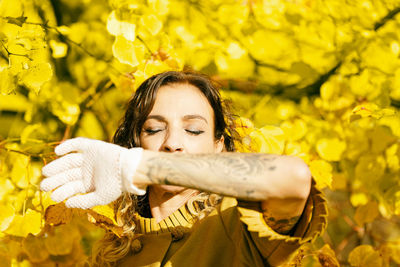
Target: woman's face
(182,120)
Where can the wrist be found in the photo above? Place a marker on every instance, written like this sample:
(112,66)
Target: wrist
(129,161)
(141,178)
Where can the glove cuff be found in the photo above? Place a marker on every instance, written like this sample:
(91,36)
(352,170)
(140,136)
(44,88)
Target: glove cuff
(129,161)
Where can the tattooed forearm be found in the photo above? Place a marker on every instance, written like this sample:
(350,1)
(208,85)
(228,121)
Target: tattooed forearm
(281,226)
(235,174)
(242,175)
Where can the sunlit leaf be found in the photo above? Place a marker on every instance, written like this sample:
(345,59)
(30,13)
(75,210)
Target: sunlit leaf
(6,216)
(269,139)
(6,186)
(124,51)
(322,173)
(37,75)
(365,256)
(358,199)
(7,82)
(330,149)
(22,225)
(366,213)
(59,49)
(20,170)
(294,130)
(151,23)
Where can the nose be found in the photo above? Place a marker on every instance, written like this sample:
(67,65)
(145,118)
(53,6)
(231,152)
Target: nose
(173,142)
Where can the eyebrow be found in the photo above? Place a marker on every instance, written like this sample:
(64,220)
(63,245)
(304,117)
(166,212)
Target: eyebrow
(186,117)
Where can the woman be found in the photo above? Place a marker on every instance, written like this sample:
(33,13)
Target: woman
(170,150)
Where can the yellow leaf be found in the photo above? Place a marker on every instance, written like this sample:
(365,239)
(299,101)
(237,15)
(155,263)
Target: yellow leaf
(42,200)
(322,173)
(365,110)
(59,49)
(243,126)
(22,225)
(298,150)
(393,122)
(106,211)
(36,76)
(330,149)
(159,6)
(392,157)
(366,213)
(395,92)
(242,67)
(235,51)
(339,181)
(28,130)
(5,260)
(269,139)
(58,214)
(11,248)
(124,51)
(6,216)
(203,58)
(89,126)
(294,130)
(20,171)
(365,256)
(395,252)
(66,111)
(61,240)
(327,257)
(358,199)
(151,23)
(269,46)
(7,81)
(379,56)
(6,186)
(13,102)
(361,85)
(35,248)
(233,13)
(123,29)
(381,137)
(150,68)
(370,168)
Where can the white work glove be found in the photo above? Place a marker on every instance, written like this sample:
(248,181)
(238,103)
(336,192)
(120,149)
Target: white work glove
(100,171)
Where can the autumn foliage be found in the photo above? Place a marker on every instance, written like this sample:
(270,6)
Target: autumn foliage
(312,78)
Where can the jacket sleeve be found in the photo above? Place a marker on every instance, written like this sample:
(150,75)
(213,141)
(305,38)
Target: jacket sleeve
(277,248)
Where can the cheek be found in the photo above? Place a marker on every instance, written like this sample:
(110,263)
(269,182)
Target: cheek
(200,144)
(152,143)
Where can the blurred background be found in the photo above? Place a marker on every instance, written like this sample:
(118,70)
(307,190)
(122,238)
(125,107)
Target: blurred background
(318,79)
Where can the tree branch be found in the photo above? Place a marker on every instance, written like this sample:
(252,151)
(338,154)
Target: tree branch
(385,19)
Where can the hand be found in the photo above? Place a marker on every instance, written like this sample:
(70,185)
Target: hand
(100,171)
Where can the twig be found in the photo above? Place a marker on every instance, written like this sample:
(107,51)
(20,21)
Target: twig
(386,18)
(12,54)
(145,45)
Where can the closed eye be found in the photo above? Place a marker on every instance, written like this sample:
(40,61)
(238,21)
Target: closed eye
(194,132)
(152,131)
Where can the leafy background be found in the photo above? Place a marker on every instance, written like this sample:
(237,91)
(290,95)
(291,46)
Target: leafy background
(312,78)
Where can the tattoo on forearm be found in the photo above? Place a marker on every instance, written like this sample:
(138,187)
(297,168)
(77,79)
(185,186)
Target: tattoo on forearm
(281,226)
(233,174)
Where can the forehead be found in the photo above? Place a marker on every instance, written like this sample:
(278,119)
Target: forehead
(180,100)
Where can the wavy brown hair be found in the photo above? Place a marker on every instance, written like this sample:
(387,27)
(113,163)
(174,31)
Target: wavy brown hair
(113,248)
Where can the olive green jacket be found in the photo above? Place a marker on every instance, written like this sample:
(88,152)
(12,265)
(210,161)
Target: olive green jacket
(233,234)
